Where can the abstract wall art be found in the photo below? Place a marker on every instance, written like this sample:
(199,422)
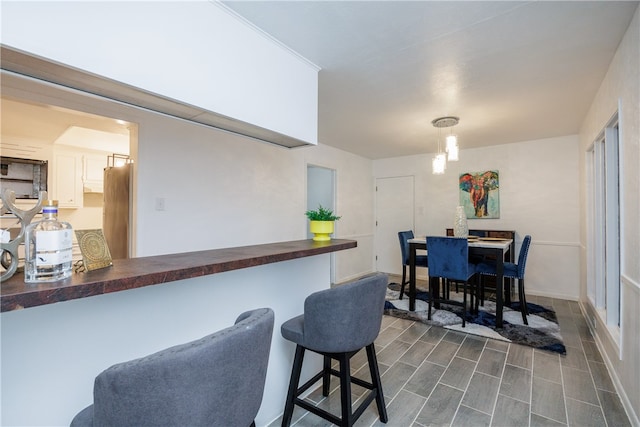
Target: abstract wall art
(480,194)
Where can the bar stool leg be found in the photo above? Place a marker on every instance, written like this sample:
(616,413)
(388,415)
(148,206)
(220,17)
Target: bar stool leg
(345,390)
(293,386)
(326,376)
(377,383)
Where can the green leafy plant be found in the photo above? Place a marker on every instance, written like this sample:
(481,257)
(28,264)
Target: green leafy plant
(321,214)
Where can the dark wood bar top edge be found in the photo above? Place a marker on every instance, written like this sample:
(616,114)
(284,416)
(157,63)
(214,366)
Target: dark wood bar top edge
(134,273)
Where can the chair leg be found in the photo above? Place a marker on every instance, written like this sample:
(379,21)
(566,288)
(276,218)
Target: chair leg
(404,280)
(506,291)
(472,295)
(479,293)
(523,301)
(464,303)
(293,386)
(377,383)
(432,291)
(345,390)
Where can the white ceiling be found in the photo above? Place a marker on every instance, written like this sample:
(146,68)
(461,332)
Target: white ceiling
(25,123)
(512,71)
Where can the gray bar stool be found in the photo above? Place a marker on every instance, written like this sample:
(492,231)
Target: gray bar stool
(217,380)
(337,323)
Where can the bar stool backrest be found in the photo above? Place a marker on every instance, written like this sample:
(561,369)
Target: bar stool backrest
(217,380)
(347,317)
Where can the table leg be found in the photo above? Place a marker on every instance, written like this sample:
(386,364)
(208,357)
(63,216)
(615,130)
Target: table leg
(412,277)
(499,287)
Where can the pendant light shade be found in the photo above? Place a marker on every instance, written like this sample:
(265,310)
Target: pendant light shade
(452,148)
(439,162)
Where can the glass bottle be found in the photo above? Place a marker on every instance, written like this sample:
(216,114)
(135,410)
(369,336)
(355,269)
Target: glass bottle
(48,247)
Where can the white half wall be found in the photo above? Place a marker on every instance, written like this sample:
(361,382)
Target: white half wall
(538,196)
(197,52)
(52,353)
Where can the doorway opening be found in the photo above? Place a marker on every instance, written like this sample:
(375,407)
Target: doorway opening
(321,190)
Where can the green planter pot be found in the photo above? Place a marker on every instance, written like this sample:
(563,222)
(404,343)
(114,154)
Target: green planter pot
(321,230)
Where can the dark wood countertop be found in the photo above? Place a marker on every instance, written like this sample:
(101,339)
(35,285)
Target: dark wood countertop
(134,273)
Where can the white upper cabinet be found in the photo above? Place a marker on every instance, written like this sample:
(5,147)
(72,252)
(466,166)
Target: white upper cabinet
(93,172)
(67,182)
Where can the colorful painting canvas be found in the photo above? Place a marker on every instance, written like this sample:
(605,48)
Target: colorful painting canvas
(480,194)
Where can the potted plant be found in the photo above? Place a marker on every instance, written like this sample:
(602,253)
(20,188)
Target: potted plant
(321,223)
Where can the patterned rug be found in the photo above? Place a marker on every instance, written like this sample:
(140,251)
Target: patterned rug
(542,332)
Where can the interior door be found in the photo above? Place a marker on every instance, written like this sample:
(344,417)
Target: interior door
(394,213)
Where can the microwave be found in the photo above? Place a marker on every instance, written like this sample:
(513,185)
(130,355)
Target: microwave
(26,177)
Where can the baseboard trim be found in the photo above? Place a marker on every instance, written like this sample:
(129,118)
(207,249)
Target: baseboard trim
(626,403)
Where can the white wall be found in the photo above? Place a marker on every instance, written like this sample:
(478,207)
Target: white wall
(223,190)
(197,52)
(620,91)
(87,217)
(538,196)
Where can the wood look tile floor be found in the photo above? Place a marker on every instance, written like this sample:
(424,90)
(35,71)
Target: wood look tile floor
(435,377)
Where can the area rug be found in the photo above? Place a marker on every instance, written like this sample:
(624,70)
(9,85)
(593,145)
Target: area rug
(542,332)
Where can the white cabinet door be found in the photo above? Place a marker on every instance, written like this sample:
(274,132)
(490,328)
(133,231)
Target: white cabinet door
(93,172)
(68,183)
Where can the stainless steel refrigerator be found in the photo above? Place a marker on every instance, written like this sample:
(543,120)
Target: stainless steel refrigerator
(116,209)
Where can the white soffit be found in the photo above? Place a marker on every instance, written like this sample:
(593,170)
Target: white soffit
(94,140)
(42,69)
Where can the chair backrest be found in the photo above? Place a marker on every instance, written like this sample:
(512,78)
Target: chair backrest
(522,257)
(217,380)
(404,237)
(448,257)
(347,317)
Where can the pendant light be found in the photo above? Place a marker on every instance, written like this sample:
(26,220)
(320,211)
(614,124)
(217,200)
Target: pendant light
(439,162)
(452,148)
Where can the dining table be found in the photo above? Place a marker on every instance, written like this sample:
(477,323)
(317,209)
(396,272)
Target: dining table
(487,246)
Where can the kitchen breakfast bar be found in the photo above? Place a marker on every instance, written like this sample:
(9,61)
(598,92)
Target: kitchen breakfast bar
(57,337)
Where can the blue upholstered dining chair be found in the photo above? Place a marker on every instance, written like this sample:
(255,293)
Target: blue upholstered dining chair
(421,260)
(512,271)
(217,380)
(337,323)
(449,259)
